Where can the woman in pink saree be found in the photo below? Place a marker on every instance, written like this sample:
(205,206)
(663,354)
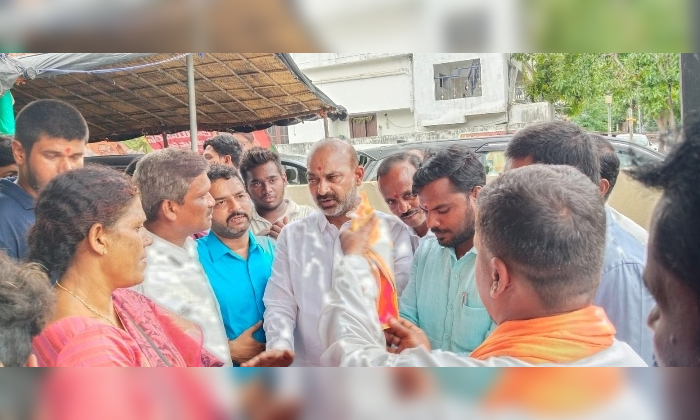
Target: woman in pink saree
(89,236)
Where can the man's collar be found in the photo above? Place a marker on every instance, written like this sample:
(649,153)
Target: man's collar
(258,218)
(608,216)
(185,252)
(218,249)
(453,251)
(10,188)
(323,223)
(291,208)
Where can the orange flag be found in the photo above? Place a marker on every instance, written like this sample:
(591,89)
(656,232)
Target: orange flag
(379,256)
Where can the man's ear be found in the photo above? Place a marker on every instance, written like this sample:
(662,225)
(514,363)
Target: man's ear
(168,209)
(604,186)
(228,160)
(500,277)
(475,191)
(473,195)
(359,175)
(19,153)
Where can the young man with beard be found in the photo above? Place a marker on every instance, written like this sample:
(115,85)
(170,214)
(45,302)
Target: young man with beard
(175,197)
(237,263)
(306,251)
(441,297)
(395,183)
(50,138)
(265,181)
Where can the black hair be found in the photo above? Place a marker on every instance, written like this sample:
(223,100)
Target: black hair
(556,143)
(131,167)
(26,305)
(218,171)
(458,163)
(226,144)
(257,156)
(549,222)
(392,160)
(49,118)
(69,206)
(677,215)
(167,175)
(6,156)
(609,162)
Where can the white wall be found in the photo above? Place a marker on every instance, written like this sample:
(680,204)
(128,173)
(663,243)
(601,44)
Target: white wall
(306,132)
(362,83)
(395,122)
(431,112)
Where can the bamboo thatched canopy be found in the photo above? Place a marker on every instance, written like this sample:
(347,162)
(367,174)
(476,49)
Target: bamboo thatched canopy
(124,96)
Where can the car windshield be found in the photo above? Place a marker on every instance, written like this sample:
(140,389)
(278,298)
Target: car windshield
(639,139)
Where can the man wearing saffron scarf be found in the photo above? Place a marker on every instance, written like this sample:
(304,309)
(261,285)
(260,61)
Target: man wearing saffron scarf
(540,235)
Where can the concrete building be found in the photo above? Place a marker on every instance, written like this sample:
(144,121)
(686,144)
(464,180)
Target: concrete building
(394,97)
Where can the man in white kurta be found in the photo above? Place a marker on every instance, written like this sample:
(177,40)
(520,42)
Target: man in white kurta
(308,248)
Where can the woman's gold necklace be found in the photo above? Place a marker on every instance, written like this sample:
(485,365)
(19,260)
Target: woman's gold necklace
(93,310)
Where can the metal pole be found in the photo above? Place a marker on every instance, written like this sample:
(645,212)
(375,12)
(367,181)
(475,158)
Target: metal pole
(192,102)
(630,123)
(609,121)
(639,118)
(690,88)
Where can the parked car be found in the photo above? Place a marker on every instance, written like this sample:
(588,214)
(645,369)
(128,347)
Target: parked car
(637,138)
(491,149)
(294,165)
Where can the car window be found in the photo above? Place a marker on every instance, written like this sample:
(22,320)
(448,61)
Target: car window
(632,157)
(296,175)
(494,162)
(364,159)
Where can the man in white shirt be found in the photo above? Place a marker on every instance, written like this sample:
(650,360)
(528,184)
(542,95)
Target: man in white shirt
(609,169)
(175,196)
(627,302)
(307,249)
(395,183)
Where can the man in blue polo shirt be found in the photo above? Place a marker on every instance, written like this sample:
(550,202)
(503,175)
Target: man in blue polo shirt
(50,139)
(237,263)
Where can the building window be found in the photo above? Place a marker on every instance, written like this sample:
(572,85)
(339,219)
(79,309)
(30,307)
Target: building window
(457,80)
(364,125)
(279,134)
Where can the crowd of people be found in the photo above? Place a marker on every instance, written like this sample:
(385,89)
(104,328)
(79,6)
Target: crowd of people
(201,260)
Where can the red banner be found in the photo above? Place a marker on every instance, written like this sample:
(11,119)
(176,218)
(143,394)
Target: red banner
(181,140)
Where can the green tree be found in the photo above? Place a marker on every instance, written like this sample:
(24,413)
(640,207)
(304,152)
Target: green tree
(580,81)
